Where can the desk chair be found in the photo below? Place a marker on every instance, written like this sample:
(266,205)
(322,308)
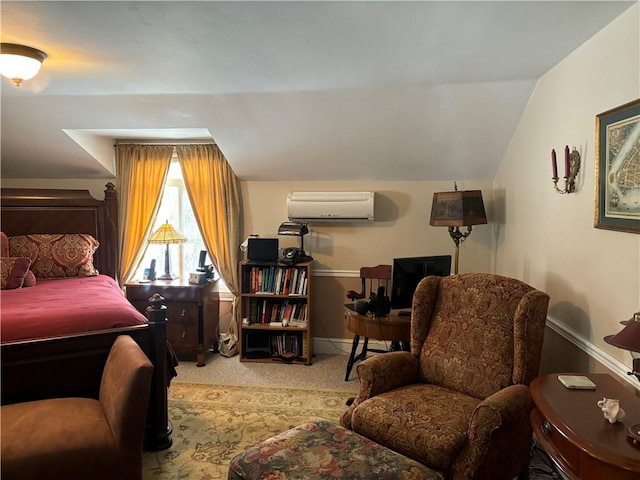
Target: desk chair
(372,279)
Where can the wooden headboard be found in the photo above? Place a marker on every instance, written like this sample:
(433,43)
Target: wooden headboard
(25,211)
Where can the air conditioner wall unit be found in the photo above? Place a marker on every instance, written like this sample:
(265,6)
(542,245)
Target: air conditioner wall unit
(330,206)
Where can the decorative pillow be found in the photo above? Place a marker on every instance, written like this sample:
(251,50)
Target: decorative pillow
(14,270)
(57,255)
(4,245)
(29,279)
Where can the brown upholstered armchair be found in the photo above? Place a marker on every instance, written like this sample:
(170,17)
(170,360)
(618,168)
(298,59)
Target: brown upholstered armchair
(459,402)
(78,438)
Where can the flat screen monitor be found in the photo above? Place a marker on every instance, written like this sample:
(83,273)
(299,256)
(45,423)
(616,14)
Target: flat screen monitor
(407,273)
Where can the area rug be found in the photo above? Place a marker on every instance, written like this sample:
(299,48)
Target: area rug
(213,423)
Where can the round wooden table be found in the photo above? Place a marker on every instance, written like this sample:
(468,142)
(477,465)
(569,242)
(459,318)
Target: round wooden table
(391,328)
(571,428)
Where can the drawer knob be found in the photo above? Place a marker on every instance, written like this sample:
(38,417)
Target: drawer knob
(183,312)
(184,333)
(546,427)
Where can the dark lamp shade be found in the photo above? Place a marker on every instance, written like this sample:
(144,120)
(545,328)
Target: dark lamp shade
(293,228)
(457,209)
(166,234)
(629,337)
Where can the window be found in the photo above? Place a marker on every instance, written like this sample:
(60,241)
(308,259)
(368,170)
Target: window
(175,208)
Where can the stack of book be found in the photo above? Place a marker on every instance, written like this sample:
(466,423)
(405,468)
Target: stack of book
(285,344)
(275,280)
(267,311)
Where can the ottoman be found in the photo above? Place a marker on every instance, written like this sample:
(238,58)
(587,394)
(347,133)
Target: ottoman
(324,450)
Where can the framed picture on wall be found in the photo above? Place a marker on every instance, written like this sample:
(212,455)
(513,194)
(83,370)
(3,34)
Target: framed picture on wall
(617,170)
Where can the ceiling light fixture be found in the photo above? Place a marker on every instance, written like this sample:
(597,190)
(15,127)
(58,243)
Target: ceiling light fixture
(19,62)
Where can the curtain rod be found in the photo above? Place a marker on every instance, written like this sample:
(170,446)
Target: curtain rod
(168,142)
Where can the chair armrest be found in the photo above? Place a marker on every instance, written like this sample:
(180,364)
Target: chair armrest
(124,393)
(381,373)
(499,428)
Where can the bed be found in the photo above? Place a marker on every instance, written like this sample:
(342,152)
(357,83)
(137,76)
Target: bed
(51,359)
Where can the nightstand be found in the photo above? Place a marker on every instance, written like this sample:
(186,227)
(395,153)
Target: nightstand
(192,314)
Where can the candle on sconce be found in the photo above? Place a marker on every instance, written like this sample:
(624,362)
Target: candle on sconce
(554,163)
(567,163)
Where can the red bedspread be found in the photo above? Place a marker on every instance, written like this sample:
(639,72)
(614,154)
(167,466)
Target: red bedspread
(64,306)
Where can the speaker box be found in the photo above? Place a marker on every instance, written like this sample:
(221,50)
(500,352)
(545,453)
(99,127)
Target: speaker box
(262,249)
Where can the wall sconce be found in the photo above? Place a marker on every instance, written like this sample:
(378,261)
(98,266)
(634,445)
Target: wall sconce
(167,235)
(19,62)
(458,209)
(629,339)
(571,169)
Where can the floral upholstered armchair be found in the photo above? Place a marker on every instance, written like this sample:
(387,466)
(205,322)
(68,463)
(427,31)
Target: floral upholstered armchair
(459,402)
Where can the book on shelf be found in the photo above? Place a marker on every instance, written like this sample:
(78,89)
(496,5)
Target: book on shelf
(288,311)
(294,280)
(287,280)
(300,282)
(285,343)
(253,310)
(278,282)
(275,279)
(300,312)
(298,323)
(263,317)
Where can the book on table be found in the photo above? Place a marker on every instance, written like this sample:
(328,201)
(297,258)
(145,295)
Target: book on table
(578,382)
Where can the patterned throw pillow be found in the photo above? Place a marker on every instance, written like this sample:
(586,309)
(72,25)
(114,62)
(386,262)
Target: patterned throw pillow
(4,245)
(29,279)
(14,270)
(57,255)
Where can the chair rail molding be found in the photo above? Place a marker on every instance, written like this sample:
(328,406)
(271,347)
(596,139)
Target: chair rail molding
(618,368)
(336,273)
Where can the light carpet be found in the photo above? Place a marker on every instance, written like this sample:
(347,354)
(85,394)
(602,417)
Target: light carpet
(213,423)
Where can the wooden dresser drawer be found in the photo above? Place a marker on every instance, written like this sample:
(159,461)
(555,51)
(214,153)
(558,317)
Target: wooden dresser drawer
(183,337)
(564,452)
(182,312)
(192,314)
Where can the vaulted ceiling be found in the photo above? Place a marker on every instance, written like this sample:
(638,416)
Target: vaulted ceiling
(373,90)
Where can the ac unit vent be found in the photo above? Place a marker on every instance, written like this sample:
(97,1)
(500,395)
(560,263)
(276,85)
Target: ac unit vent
(330,206)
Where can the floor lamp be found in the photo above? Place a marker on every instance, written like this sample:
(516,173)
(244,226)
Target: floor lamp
(167,235)
(458,209)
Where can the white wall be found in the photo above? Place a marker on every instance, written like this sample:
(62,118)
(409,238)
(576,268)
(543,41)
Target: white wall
(548,239)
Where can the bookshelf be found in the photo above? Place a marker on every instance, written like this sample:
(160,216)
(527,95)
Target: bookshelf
(276,312)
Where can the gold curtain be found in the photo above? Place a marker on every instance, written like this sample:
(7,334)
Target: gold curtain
(141,174)
(213,190)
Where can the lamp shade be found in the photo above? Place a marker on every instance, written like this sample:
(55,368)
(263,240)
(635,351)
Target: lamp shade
(293,228)
(629,337)
(166,234)
(19,62)
(457,209)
